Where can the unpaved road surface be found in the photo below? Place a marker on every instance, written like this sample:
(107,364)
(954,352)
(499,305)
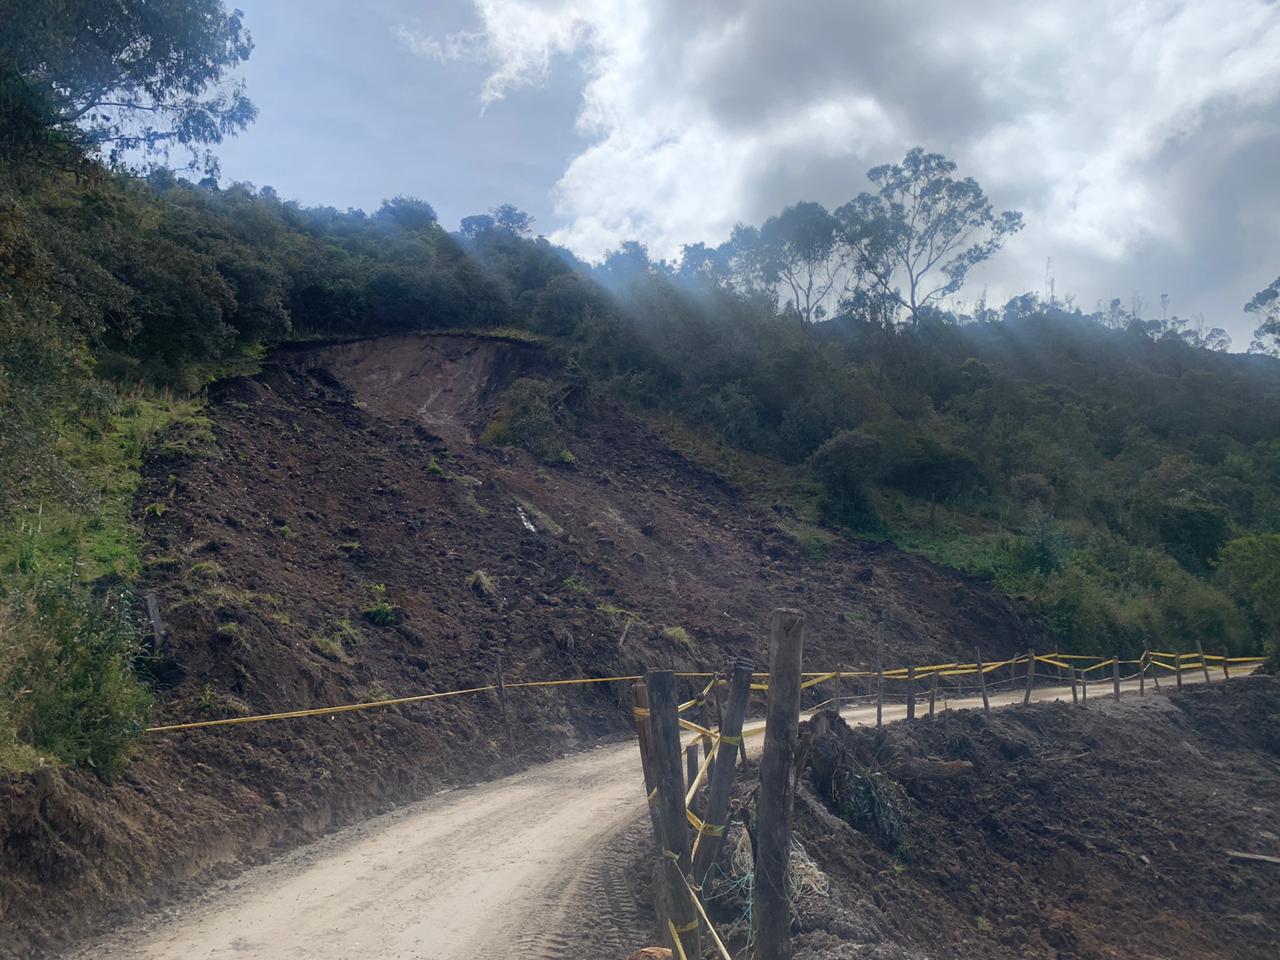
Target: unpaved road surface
(531,866)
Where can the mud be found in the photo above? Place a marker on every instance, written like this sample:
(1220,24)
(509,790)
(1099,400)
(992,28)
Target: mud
(346,476)
(1080,833)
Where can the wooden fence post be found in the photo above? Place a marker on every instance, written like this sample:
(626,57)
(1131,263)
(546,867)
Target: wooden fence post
(640,694)
(1031,676)
(982,683)
(880,674)
(664,730)
(502,701)
(1075,694)
(1177,659)
(1115,678)
(722,773)
(1084,688)
(933,692)
(1204,664)
(1155,674)
(911,692)
(691,763)
(1142,675)
(710,724)
(1226,670)
(771,903)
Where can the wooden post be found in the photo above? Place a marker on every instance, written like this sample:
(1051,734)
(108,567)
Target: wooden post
(911,692)
(982,683)
(1226,669)
(1177,659)
(1142,675)
(1155,674)
(1084,688)
(839,687)
(722,773)
(640,694)
(502,702)
(158,630)
(1031,676)
(771,904)
(664,729)
(691,764)
(1204,664)
(1115,678)
(933,692)
(1075,694)
(880,674)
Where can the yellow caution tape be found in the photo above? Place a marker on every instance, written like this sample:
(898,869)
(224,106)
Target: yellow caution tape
(759,686)
(816,680)
(697,902)
(687,927)
(641,713)
(731,741)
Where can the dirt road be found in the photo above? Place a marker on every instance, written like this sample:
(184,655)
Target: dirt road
(522,867)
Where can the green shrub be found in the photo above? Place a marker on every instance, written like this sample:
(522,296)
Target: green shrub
(531,418)
(67,676)
(679,635)
(380,613)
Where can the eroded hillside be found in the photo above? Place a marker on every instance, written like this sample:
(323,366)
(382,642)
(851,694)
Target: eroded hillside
(345,537)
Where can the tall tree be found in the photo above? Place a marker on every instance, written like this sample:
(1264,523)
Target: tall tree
(798,251)
(129,76)
(916,238)
(1265,305)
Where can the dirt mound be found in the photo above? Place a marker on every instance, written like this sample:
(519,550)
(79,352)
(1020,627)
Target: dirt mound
(1079,833)
(326,552)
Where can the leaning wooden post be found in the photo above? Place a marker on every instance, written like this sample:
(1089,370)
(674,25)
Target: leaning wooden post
(664,730)
(502,702)
(720,789)
(1115,678)
(1142,675)
(640,694)
(880,674)
(1204,664)
(911,692)
(771,904)
(982,683)
(1031,676)
(1155,674)
(1226,670)
(1177,660)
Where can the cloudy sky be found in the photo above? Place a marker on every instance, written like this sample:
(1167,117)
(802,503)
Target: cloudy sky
(1140,140)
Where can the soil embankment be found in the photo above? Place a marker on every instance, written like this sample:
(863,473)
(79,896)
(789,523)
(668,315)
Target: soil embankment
(1090,834)
(320,552)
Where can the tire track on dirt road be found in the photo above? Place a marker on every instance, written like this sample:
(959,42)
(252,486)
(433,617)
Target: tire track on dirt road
(535,865)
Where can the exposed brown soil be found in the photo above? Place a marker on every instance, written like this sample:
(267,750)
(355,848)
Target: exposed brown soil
(1080,833)
(342,467)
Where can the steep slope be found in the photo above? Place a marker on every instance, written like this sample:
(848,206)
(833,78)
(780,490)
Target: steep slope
(320,552)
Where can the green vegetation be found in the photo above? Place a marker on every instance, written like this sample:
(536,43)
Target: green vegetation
(380,611)
(1120,472)
(481,584)
(336,639)
(679,635)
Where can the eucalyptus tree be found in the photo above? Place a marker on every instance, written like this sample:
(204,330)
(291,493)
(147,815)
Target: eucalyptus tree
(1265,305)
(914,240)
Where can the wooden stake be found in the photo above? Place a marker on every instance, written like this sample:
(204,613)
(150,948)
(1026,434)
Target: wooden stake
(502,701)
(982,683)
(933,692)
(1155,674)
(709,723)
(158,630)
(880,674)
(771,902)
(1142,675)
(1177,659)
(1031,676)
(722,774)
(1084,688)
(1226,669)
(691,764)
(1115,679)
(911,693)
(664,728)
(1204,664)
(1075,693)
(640,695)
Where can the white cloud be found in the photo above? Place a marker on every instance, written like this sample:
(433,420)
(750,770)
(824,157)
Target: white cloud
(1104,123)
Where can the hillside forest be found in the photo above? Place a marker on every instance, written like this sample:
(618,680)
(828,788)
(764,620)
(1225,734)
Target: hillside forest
(1116,468)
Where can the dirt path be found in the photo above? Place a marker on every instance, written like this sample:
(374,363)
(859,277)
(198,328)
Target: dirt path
(527,866)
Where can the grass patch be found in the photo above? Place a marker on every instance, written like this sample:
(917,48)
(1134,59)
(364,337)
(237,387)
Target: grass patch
(482,585)
(574,584)
(335,639)
(679,635)
(541,518)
